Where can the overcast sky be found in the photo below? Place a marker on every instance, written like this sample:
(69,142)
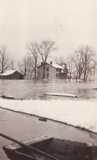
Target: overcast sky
(70,23)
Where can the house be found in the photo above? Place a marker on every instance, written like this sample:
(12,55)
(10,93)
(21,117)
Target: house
(50,71)
(11,74)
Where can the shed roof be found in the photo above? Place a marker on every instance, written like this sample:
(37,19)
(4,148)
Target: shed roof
(9,72)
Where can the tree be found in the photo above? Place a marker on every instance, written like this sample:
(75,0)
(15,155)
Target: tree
(44,50)
(26,66)
(84,62)
(5,62)
(70,65)
(12,66)
(78,66)
(33,49)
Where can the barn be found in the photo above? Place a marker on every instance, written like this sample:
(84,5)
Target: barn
(11,74)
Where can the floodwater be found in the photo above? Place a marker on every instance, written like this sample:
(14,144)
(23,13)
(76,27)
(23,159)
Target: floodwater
(29,89)
(23,127)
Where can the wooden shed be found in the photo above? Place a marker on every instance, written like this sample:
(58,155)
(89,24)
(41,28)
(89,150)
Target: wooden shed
(11,74)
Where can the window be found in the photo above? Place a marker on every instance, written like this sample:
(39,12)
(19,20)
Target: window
(58,69)
(47,68)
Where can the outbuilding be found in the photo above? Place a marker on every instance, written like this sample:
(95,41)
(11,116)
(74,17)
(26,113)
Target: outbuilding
(11,74)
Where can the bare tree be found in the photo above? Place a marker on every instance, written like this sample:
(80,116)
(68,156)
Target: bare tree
(44,50)
(78,66)
(5,62)
(70,65)
(26,66)
(84,62)
(33,49)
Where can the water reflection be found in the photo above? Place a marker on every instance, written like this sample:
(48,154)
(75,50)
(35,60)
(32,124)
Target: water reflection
(25,89)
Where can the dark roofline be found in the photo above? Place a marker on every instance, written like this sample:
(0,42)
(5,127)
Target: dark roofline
(47,64)
(43,64)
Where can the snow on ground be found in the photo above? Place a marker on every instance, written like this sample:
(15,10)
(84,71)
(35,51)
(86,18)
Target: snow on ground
(82,113)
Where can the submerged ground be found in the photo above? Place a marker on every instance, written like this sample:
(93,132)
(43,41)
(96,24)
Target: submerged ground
(39,98)
(38,89)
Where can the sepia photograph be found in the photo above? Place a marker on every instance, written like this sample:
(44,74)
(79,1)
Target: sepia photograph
(48,80)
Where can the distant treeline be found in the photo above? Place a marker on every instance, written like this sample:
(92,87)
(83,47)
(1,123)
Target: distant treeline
(81,65)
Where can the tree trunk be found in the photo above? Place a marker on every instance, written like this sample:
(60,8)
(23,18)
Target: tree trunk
(35,73)
(44,71)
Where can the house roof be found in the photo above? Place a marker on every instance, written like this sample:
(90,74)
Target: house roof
(57,66)
(53,65)
(9,72)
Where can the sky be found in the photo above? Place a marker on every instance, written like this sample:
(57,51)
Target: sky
(70,23)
